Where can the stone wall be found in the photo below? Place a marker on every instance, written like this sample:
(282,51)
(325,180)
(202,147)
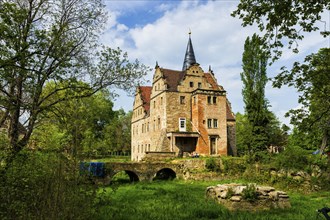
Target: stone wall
(240,197)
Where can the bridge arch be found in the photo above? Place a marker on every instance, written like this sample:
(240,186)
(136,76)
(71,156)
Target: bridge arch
(133,177)
(165,174)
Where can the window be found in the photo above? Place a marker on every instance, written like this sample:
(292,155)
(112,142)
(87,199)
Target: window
(199,85)
(209,100)
(209,123)
(215,123)
(194,100)
(158,123)
(161,100)
(212,123)
(214,100)
(182,100)
(182,124)
(191,84)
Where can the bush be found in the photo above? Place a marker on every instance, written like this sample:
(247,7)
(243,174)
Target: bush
(234,165)
(294,158)
(212,165)
(45,186)
(250,193)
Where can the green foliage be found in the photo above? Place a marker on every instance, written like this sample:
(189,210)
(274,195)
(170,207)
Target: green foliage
(212,164)
(85,127)
(121,177)
(243,134)
(234,165)
(274,135)
(312,80)
(55,42)
(4,148)
(250,193)
(45,186)
(282,21)
(260,157)
(230,193)
(254,78)
(293,158)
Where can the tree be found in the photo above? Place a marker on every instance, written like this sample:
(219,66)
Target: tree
(254,79)
(275,134)
(73,122)
(288,21)
(54,41)
(118,133)
(312,80)
(244,134)
(282,21)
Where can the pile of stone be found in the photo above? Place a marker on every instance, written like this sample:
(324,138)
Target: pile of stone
(235,197)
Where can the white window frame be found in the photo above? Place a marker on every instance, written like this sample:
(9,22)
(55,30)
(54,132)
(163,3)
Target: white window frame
(182,125)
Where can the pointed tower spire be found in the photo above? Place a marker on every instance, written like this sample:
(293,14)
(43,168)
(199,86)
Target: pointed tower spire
(189,58)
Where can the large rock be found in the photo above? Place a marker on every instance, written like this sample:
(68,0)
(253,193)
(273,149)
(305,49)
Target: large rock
(232,196)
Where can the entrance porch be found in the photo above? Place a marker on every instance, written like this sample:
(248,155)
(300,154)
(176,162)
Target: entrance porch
(181,142)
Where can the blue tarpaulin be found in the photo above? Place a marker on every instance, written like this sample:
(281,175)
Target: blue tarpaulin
(93,168)
(316,152)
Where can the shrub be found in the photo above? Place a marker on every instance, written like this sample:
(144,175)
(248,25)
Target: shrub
(250,193)
(234,165)
(294,158)
(45,186)
(230,193)
(211,165)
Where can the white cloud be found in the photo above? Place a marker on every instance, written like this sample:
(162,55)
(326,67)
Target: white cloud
(218,40)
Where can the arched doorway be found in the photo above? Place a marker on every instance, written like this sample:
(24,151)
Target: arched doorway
(165,174)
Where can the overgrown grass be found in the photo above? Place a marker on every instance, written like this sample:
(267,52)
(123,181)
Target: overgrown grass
(186,200)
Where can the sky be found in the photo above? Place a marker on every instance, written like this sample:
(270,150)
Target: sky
(157,31)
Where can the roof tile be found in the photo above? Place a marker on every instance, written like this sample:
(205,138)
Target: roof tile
(145,95)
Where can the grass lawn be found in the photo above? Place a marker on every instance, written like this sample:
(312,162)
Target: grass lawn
(186,200)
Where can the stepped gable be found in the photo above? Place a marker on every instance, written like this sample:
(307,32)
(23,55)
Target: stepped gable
(210,79)
(145,95)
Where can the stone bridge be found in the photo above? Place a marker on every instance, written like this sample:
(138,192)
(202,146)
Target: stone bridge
(144,171)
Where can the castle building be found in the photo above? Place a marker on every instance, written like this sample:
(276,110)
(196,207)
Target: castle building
(182,112)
